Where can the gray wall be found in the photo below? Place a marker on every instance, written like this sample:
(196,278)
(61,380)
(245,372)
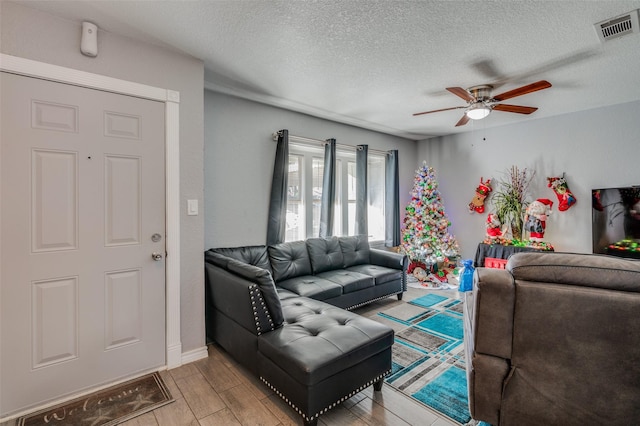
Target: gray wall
(32,34)
(239,156)
(595,149)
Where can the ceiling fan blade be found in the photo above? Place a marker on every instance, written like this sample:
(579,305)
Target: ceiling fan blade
(514,108)
(529,88)
(487,68)
(438,110)
(462,93)
(464,120)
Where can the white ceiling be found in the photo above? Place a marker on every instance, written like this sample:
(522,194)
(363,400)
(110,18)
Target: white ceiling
(374,63)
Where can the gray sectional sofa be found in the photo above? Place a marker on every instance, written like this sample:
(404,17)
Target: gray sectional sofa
(282,312)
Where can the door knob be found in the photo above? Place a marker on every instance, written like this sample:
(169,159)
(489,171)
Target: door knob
(156,256)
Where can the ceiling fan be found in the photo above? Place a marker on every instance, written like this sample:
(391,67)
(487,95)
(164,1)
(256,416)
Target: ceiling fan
(480,103)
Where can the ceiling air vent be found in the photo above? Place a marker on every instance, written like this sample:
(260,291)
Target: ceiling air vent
(618,26)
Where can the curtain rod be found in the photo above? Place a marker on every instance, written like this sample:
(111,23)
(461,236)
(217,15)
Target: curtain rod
(312,141)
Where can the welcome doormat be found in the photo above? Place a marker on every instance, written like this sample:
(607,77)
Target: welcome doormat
(106,407)
(428,354)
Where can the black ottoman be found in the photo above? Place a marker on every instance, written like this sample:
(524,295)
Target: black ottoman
(322,356)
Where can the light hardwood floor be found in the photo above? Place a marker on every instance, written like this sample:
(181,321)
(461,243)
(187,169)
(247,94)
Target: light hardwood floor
(216,391)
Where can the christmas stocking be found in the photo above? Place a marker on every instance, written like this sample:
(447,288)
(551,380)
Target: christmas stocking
(560,187)
(477,203)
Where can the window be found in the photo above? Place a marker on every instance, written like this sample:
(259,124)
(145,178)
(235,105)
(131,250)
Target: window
(317,165)
(306,171)
(375,197)
(295,205)
(351,197)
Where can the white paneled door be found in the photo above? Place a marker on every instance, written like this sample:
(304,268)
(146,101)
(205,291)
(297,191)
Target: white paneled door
(82,292)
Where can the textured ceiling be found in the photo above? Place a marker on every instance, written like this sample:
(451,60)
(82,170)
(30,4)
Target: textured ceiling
(374,63)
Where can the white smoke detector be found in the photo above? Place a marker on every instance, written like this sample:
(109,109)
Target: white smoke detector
(618,27)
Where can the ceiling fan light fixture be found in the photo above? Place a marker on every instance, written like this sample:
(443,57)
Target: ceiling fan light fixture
(478,111)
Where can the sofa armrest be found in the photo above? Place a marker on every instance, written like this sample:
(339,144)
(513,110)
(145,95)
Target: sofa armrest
(485,387)
(391,260)
(259,276)
(238,298)
(388,259)
(494,294)
(494,300)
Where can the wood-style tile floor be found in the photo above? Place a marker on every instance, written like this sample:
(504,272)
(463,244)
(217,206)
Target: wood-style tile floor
(217,391)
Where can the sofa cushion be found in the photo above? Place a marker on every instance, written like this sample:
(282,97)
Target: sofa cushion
(312,286)
(380,274)
(283,293)
(321,340)
(253,255)
(263,278)
(355,250)
(325,254)
(349,280)
(289,260)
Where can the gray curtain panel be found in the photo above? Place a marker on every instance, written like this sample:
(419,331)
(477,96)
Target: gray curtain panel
(362,227)
(328,189)
(391,200)
(277,222)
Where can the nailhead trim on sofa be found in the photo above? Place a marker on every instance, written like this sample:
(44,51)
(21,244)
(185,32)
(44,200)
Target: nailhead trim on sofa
(330,406)
(255,293)
(372,300)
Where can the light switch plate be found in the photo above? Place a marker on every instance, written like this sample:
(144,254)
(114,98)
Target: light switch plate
(192,207)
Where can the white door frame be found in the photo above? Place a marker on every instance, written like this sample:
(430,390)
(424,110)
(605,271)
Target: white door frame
(171,99)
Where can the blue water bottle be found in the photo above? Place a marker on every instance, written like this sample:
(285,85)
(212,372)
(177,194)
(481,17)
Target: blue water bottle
(466,277)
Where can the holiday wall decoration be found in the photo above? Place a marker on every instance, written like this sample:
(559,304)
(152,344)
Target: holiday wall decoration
(564,194)
(425,236)
(482,191)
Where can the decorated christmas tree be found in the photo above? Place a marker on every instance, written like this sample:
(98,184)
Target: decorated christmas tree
(425,235)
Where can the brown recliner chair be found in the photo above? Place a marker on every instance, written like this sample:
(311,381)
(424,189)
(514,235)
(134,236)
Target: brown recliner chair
(556,341)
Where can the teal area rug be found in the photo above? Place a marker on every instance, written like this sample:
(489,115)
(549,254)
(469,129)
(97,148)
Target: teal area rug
(428,354)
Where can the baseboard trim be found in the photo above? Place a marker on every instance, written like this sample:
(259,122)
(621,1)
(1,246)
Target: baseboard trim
(194,355)
(174,356)
(185,358)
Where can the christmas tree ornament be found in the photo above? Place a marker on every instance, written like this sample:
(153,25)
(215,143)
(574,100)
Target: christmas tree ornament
(564,194)
(482,191)
(535,219)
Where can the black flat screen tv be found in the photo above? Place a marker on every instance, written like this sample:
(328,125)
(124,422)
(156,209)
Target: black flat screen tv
(616,221)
